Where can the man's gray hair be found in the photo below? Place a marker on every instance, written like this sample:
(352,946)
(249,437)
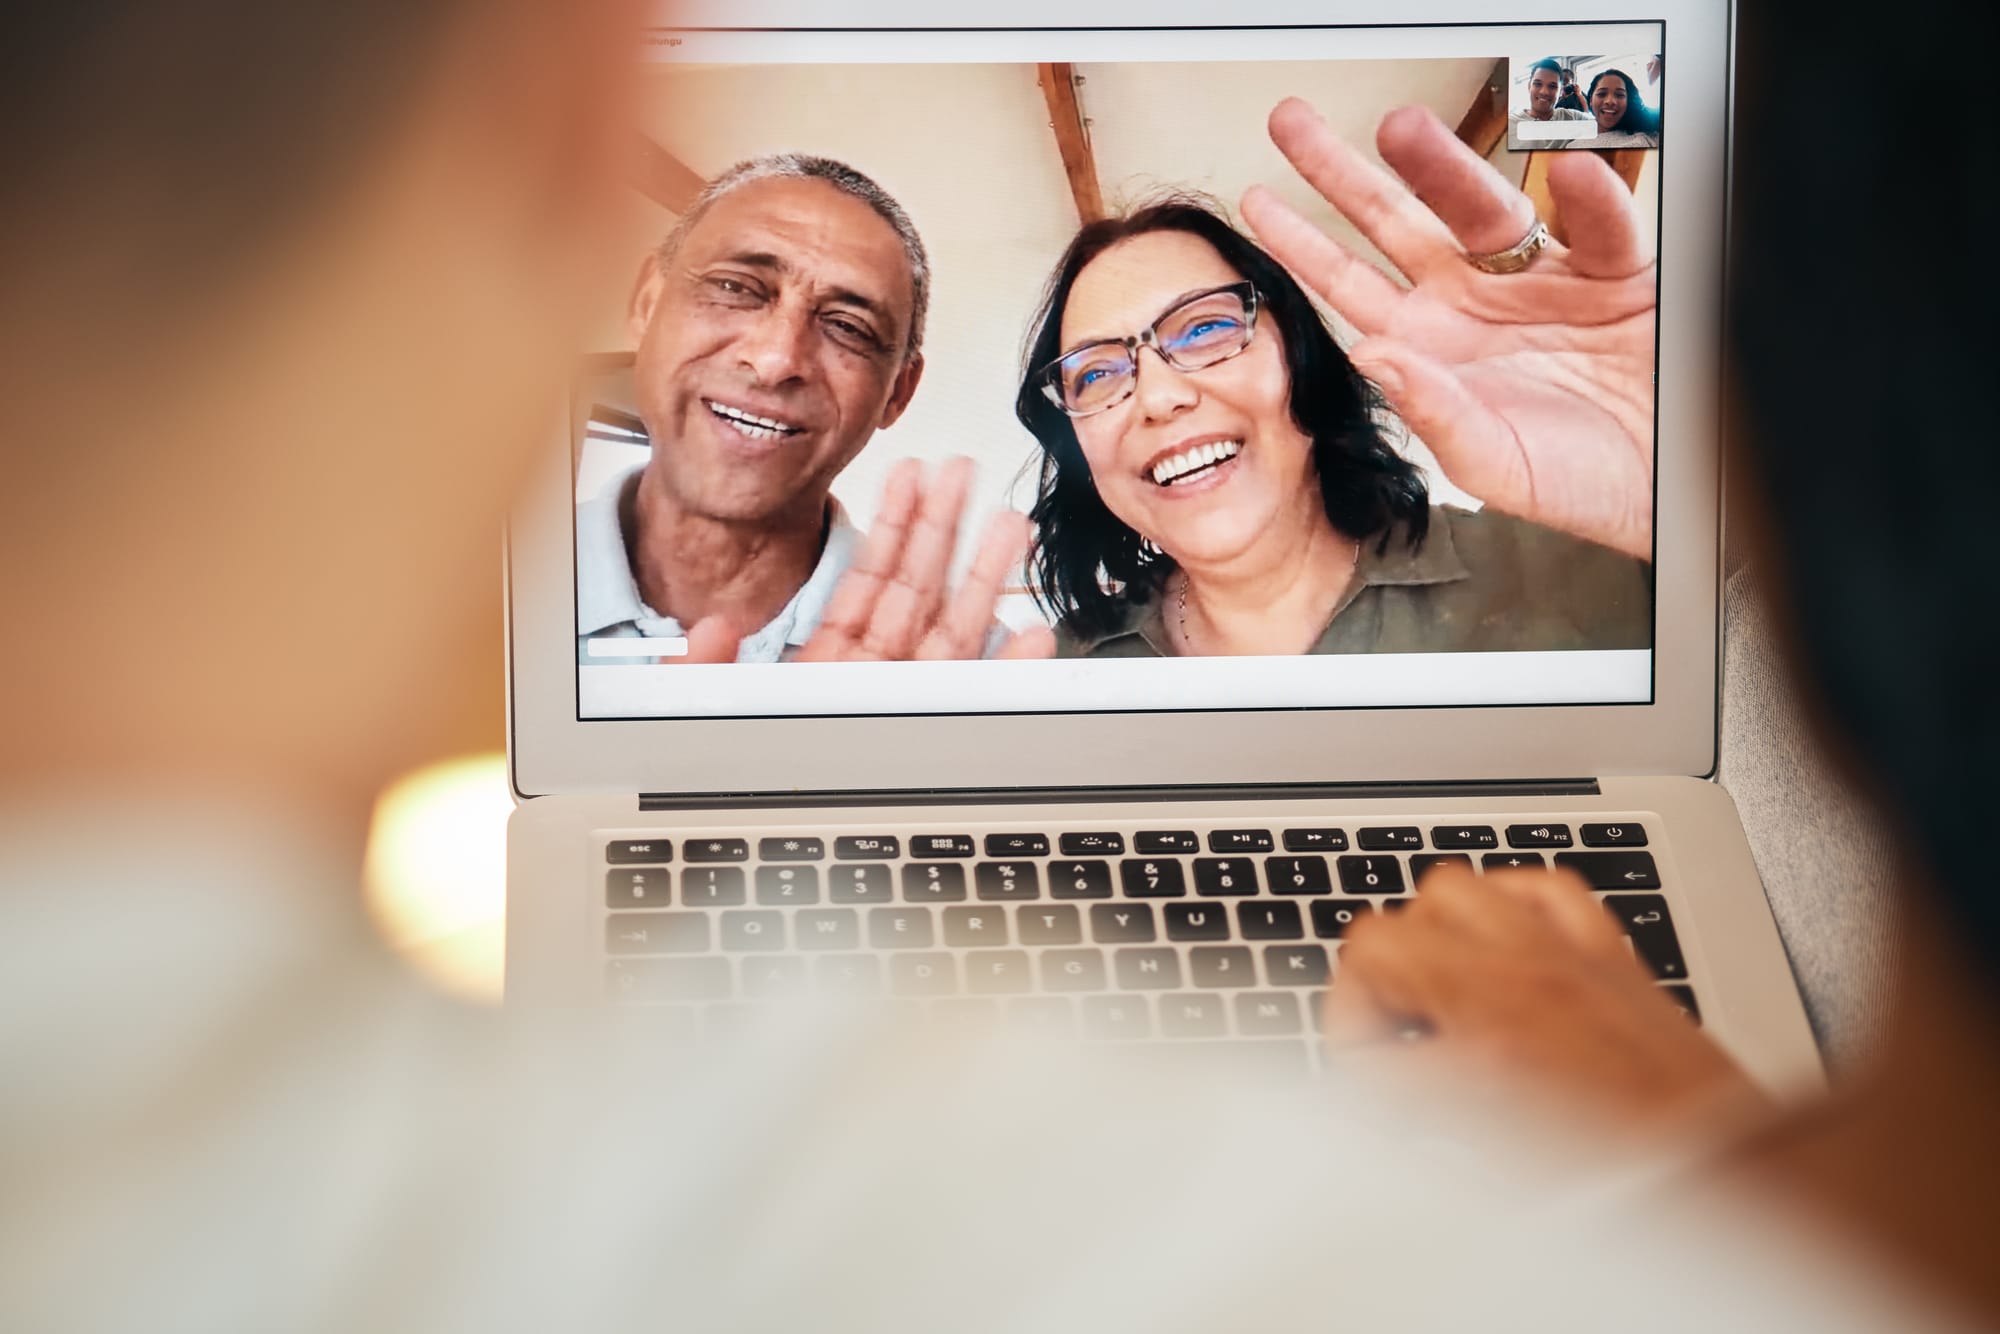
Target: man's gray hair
(805,167)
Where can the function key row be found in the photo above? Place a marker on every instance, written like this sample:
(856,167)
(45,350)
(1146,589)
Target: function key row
(1135,878)
(1384,838)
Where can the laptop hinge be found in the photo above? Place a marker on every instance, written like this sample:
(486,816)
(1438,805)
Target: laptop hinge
(1046,796)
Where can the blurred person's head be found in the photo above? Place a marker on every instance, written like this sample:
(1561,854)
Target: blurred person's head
(778,327)
(1187,467)
(1545,82)
(288,295)
(1887,590)
(1616,105)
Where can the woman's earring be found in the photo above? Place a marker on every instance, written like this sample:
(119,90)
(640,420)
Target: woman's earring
(1147,550)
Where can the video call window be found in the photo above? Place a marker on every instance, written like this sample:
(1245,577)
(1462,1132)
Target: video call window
(1599,102)
(1046,375)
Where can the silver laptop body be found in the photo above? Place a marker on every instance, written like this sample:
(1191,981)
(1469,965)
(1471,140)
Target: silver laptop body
(1121,851)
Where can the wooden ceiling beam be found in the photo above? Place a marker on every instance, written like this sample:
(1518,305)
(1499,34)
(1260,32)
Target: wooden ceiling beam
(1058,82)
(1484,123)
(664,178)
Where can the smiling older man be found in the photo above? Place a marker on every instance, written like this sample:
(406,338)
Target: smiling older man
(779,327)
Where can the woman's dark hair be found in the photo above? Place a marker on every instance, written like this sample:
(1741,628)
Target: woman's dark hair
(1086,560)
(1864,372)
(1638,118)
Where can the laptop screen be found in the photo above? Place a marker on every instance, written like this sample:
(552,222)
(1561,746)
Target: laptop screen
(1042,371)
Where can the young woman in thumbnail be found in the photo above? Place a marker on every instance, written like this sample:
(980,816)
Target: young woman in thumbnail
(1234,492)
(1623,118)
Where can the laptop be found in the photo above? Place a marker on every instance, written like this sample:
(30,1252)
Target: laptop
(1153,844)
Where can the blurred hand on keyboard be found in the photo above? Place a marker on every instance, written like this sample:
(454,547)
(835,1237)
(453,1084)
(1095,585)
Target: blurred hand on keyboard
(1519,982)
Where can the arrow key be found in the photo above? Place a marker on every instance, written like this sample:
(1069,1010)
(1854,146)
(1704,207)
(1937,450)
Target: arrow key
(1613,870)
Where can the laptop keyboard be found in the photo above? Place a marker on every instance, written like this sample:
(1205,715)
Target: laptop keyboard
(1178,934)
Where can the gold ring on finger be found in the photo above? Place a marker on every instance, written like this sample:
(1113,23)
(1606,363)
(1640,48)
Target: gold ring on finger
(1515,257)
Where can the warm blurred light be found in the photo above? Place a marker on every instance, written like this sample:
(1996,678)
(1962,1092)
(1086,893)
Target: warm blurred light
(437,872)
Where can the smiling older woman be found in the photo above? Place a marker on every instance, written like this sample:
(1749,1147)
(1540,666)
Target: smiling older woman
(1234,492)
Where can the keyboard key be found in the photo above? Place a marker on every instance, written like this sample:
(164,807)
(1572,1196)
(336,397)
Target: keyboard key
(1513,861)
(1537,835)
(655,933)
(1315,840)
(1080,880)
(923,974)
(1391,838)
(1397,904)
(1371,875)
(1165,840)
(626,851)
(1316,1007)
(1017,845)
(1147,970)
(1054,924)
(1222,966)
(1073,970)
(1614,836)
(1121,923)
(848,974)
(858,884)
(1239,840)
(756,929)
(900,928)
(1423,863)
(777,975)
(1270,921)
(717,850)
(867,848)
(1684,997)
(1297,875)
(941,845)
(1042,1016)
(933,882)
(1193,1015)
(1217,876)
(1295,965)
(1007,882)
(1116,1017)
(1268,1014)
(1159,878)
(712,887)
(636,889)
(1471,837)
(1646,919)
(975,926)
(790,848)
(1197,921)
(827,929)
(1613,870)
(787,886)
(1332,917)
(1092,845)
(997,972)
(669,979)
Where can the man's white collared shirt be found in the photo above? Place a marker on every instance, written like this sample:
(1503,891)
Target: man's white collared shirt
(610,606)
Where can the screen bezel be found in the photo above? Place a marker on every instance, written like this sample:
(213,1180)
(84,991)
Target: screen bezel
(553,751)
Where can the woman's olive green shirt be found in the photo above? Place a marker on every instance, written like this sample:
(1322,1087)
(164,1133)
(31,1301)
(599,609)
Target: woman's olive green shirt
(1482,582)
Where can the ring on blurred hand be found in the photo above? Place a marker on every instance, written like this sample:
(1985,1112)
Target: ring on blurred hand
(1515,257)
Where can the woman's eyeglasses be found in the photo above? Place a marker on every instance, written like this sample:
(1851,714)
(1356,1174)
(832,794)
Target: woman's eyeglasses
(1198,332)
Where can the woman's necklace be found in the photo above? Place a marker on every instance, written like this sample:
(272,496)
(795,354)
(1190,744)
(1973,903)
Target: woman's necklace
(1180,597)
